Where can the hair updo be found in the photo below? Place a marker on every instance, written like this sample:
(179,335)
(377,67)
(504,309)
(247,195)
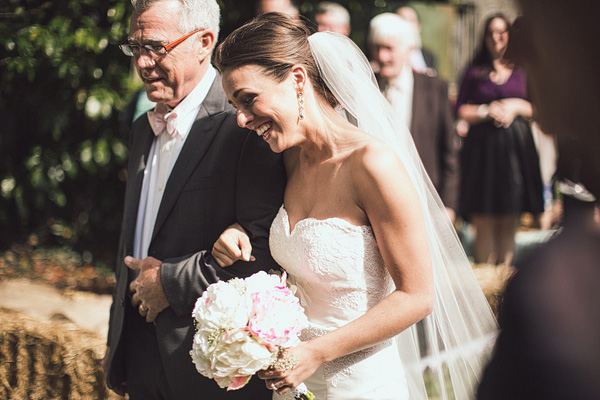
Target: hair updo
(276,42)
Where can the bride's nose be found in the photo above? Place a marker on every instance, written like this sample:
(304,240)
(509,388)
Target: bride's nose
(244,118)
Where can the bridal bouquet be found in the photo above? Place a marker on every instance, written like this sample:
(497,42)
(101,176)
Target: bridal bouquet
(245,325)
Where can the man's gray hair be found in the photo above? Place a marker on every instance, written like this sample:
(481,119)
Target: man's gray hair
(390,26)
(329,7)
(195,14)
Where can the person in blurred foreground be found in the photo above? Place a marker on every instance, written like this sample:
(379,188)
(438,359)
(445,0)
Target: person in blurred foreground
(549,345)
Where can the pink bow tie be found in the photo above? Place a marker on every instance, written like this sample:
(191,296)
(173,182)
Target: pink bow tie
(162,118)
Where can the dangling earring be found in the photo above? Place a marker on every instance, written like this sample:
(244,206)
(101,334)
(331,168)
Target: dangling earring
(300,106)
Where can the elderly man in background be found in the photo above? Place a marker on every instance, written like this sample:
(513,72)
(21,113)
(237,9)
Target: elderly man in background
(333,17)
(283,6)
(421,99)
(192,173)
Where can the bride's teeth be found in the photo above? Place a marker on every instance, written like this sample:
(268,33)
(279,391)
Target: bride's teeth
(261,131)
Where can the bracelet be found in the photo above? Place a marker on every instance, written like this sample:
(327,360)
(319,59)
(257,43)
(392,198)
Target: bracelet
(483,111)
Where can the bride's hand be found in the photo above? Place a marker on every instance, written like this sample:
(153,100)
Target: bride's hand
(232,245)
(284,381)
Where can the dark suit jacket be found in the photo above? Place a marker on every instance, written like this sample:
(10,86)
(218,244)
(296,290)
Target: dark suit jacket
(432,128)
(549,342)
(429,58)
(224,174)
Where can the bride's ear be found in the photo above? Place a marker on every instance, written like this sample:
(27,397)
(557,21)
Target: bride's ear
(299,76)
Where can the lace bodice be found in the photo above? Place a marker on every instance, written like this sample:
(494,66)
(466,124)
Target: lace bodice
(339,274)
(336,266)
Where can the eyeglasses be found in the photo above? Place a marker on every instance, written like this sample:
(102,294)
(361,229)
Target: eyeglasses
(153,50)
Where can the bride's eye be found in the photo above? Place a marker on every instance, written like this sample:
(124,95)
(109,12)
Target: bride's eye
(249,99)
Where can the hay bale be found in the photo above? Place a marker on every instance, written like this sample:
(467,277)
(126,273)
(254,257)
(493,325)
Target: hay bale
(56,360)
(44,360)
(493,280)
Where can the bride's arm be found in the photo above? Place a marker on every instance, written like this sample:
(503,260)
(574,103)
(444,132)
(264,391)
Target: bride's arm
(387,196)
(385,193)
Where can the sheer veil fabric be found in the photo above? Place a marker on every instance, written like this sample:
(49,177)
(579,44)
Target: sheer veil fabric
(459,334)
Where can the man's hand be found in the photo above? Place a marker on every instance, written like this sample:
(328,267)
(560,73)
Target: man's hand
(121,389)
(147,291)
(232,245)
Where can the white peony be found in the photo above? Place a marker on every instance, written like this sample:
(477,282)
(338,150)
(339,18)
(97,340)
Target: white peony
(240,326)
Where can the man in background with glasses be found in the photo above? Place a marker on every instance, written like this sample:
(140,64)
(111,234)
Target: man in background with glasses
(192,173)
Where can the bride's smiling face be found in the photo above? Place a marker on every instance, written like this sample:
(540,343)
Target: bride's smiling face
(264,105)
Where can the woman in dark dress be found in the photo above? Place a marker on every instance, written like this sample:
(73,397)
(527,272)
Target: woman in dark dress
(500,175)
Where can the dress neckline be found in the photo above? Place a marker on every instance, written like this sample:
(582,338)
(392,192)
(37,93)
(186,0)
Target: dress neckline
(489,76)
(313,221)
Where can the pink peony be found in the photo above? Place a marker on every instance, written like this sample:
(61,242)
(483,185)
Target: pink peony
(240,325)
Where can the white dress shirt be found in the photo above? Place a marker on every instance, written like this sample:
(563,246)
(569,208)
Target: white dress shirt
(161,159)
(417,61)
(400,94)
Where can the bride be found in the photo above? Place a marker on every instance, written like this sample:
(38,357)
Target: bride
(361,233)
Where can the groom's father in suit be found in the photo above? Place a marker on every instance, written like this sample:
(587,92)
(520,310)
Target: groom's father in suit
(420,99)
(192,173)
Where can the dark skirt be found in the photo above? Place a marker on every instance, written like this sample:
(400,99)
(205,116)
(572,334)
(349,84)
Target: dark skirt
(500,171)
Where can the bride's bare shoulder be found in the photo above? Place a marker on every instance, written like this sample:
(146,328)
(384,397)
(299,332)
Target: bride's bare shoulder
(372,155)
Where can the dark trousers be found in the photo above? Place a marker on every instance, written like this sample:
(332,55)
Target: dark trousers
(145,375)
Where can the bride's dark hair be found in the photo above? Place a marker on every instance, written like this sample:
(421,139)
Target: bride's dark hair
(276,42)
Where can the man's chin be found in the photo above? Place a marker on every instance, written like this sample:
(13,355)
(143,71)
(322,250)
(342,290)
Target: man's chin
(156,96)
(387,74)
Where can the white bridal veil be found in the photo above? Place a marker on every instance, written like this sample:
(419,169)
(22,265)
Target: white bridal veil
(458,335)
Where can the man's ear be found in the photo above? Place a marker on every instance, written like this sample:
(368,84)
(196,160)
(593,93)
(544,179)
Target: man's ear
(205,43)
(299,76)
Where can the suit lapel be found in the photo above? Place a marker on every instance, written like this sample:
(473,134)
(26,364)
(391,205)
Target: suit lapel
(418,100)
(196,144)
(139,159)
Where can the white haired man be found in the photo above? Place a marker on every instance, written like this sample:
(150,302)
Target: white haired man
(192,173)
(421,99)
(331,16)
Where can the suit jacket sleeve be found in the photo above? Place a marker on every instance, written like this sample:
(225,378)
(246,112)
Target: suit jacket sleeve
(259,189)
(450,148)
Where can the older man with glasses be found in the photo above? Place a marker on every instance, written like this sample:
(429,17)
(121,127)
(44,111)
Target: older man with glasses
(192,173)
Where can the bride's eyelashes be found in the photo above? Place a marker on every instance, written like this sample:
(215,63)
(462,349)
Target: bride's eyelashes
(248,99)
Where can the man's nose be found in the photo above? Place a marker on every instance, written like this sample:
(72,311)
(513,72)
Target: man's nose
(143,60)
(383,55)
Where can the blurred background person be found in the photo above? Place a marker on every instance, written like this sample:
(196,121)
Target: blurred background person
(546,149)
(284,6)
(500,172)
(549,344)
(331,16)
(421,59)
(422,100)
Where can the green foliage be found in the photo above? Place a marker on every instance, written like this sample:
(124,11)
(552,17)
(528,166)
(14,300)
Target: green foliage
(63,148)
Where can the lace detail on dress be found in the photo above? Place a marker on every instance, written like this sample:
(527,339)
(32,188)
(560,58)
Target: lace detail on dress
(332,259)
(341,368)
(339,275)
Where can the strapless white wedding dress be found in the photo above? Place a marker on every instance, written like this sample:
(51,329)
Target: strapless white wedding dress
(340,275)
